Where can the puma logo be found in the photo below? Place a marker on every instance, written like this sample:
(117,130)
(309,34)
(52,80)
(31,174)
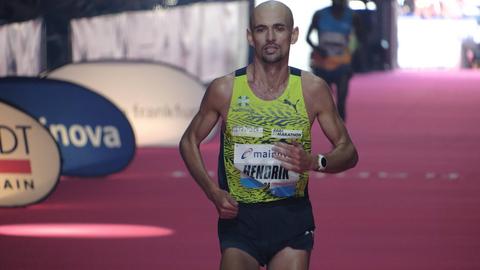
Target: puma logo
(289,103)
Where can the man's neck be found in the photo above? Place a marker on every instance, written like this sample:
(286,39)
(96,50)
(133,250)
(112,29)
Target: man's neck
(338,11)
(269,77)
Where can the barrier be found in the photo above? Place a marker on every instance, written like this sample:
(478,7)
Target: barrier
(94,136)
(29,159)
(159,100)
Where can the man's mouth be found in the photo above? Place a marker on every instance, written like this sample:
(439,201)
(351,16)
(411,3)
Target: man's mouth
(270,48)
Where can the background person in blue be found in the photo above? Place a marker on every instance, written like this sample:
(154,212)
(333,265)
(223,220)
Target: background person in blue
(331,58)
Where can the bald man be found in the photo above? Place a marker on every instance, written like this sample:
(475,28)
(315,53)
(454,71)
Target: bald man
(267,110)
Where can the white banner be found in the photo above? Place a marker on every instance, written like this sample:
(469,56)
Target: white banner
(189,37)
(20,48)
(5,56)
(158,100)
(97,38)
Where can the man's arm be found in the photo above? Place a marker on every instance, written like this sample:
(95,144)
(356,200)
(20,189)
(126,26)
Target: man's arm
(320,107)
(213,106)
(343,155)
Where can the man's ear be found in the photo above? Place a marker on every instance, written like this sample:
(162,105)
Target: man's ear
(250,37)
(295,33)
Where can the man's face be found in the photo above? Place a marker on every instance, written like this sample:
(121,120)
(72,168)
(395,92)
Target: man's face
(271,35)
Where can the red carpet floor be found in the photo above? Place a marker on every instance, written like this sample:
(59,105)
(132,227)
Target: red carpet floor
(412,203)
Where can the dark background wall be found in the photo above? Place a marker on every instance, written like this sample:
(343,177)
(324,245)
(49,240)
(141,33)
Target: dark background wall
(376,51)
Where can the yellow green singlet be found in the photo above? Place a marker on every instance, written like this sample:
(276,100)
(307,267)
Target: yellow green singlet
(247,167)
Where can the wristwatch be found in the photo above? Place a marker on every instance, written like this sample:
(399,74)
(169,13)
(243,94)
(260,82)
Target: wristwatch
(322,162)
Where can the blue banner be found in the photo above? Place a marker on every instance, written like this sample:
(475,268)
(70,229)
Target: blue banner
(94,136)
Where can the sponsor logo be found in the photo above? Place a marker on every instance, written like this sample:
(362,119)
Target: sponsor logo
(77,135)
(266,154)
(291,104)
(256,132)
(243,101)
(177,111)
(255,154)
(286,134)
(15,141)
(94,136)
(29,159)
(247,153)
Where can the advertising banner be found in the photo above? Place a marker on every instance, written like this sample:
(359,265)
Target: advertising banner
(29,159)
(94,136)
(159,100)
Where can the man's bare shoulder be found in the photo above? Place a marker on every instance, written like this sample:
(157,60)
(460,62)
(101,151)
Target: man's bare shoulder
(313,85)
(317,94)
(218,94)
(221,87)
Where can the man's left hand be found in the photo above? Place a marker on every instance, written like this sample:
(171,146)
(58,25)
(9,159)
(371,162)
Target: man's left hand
(294,157)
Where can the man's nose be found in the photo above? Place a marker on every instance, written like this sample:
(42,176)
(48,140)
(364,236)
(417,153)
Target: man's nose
(270,35)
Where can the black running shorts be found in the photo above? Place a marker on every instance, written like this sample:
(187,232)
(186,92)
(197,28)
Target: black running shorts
(263,229)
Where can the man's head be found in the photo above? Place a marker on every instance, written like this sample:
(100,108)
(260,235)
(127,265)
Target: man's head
(339,4)
(271,31)
(279,6)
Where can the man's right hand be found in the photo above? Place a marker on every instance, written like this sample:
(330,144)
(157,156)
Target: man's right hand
(227,206)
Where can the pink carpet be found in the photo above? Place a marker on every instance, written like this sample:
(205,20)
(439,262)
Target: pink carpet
(412,203)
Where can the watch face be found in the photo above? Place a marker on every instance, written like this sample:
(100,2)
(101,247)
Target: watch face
(323,161)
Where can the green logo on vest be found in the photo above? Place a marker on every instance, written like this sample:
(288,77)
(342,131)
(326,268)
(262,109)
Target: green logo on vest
(243,101)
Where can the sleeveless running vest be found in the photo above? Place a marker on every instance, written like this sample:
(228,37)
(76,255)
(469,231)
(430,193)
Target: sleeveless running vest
(247,165)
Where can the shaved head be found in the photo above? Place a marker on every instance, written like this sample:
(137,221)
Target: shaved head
(272,6)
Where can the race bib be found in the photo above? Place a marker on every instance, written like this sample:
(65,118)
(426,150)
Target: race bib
(260,169)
